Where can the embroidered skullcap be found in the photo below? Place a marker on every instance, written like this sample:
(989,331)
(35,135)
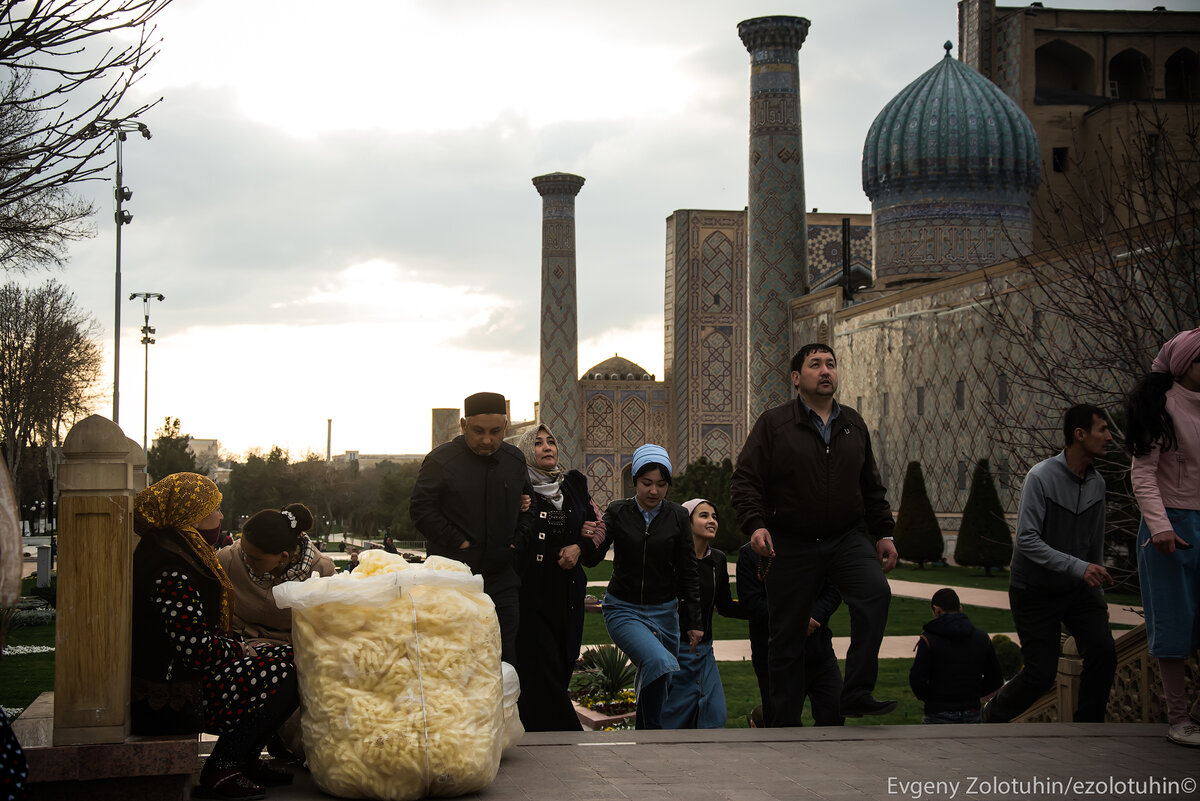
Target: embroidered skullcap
(650,454)
(484,403)
(1179,352)
(694,502)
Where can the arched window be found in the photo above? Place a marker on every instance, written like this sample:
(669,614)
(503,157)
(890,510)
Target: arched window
(1063,67)
(1130,76)
(1182,78)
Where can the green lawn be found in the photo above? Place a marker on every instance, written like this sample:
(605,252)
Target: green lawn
(949,576)
(24,678)
(741,694)
(905,618)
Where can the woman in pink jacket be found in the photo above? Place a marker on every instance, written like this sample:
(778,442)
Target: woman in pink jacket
(1163,434)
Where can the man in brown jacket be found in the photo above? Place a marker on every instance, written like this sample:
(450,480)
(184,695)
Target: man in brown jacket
(807,491)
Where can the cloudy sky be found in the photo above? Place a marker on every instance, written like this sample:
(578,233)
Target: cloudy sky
(337,205)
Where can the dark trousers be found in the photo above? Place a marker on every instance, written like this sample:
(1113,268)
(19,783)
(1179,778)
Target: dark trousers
(1039,616)
(505,591)
(822,684)
(793,581)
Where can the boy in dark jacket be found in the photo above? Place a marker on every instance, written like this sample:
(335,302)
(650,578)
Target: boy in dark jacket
(955,665)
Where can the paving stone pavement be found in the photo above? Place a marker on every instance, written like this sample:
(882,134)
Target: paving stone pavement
(975,763)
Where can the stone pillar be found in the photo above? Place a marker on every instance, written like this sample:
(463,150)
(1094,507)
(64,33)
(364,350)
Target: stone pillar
(98,480)
(558,390)
(777,224)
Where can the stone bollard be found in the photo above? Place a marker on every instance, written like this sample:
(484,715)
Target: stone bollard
(44,565)
(98,480)
(1070,670)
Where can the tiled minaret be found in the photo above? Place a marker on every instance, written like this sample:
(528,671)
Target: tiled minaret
(777,226)
(559,383)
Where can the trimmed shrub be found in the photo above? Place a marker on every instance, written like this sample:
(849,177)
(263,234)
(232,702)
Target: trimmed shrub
(984,539)
(1009,654)
(918,535)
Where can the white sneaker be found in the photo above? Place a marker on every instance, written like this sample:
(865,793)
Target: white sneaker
(1194,713)
(1185,734)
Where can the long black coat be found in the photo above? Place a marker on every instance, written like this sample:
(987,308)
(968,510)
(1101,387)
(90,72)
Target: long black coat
(551,630)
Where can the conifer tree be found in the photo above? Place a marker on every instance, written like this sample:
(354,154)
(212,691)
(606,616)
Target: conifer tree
(918,535)
(984,539)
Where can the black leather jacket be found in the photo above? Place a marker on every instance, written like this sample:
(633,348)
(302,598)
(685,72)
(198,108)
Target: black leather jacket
(791,483)
(462,496)
(656,564)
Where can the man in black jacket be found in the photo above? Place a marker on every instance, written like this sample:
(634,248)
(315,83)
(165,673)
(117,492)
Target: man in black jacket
(808,494)
(955,665)
(467,505)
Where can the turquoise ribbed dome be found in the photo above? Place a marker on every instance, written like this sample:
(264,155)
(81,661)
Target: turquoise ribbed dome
(951,129)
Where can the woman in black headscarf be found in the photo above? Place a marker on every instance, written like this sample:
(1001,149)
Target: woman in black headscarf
(566,532)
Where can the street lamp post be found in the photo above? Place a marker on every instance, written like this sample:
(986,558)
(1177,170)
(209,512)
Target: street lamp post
(147,340)
(122,193)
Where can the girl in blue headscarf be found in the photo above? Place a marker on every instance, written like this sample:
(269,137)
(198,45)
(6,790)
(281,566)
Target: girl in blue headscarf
(654,585)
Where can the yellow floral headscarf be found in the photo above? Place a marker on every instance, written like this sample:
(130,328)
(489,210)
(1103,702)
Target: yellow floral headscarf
(179,502)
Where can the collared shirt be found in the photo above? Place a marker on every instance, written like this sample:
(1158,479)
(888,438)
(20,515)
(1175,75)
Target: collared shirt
(825,428)
(649,515)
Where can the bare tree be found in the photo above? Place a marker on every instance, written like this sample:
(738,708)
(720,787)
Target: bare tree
(48,365)
(69,65)
(1080,321)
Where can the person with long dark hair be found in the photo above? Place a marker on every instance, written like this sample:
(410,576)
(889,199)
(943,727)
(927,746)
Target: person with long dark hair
(655,583)
(1163,435)
(696,698)
(274,548)
(566,527)
(190,673)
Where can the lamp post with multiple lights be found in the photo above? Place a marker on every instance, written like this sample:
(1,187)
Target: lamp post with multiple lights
(147,340)
(121,128)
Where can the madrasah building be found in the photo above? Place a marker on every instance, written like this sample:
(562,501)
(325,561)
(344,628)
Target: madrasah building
(958,167)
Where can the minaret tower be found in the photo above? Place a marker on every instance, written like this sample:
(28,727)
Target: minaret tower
(777,224)
(559,383)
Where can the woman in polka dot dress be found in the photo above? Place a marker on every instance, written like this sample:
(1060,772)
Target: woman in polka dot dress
(189,673)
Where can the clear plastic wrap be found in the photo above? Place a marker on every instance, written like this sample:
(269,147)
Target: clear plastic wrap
(400,679)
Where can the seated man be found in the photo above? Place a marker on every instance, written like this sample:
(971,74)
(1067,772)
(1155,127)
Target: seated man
(955,665)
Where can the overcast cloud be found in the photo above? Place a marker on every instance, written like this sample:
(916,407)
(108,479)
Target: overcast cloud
(337,203)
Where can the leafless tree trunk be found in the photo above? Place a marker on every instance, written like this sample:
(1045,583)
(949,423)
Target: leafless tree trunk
(48,365)
(1082,320)
(68,65)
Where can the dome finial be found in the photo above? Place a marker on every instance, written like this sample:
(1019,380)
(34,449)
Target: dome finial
(948,45)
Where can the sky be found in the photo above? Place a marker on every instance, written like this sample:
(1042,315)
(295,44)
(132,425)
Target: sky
(336,202)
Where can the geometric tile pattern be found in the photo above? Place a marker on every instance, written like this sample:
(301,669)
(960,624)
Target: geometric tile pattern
(705,317)
(883,358)
(777,228)
(718,443)
(619,416)
(825,250)
(633,422)
(598,419)
(558,395)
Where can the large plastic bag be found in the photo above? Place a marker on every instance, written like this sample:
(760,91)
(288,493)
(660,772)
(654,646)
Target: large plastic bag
(400,679)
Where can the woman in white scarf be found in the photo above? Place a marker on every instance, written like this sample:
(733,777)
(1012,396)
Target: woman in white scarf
(567,531)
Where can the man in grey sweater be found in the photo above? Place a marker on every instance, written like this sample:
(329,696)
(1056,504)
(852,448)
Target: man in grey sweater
(1057,572)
